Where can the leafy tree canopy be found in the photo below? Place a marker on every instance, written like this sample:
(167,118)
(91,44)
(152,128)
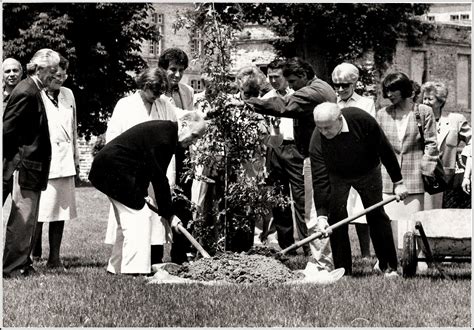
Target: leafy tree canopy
(335,31)
(101,40)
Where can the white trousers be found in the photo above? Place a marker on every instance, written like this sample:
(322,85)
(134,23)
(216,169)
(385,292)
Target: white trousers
(158,233)
(320,248)
(131,253)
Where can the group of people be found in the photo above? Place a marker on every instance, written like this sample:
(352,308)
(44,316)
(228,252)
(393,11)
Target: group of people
(328,147)
(40,161)
(351,142)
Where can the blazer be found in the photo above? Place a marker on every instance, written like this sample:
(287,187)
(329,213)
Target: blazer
(452,129)
(300,106)
(186,94)
(414,158)
(63,134)
(26,136)
(125,167)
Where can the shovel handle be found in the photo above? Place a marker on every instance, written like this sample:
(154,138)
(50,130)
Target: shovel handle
(193,241)
(338,224)
(154,208)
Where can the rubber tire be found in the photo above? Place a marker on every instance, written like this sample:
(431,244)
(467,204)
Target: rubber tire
(409,257)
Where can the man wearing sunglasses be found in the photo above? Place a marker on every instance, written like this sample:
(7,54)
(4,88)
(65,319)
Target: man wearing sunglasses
(344,79)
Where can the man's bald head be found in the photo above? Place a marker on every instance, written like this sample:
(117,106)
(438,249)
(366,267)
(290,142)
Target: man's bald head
(328,119)
(12,72)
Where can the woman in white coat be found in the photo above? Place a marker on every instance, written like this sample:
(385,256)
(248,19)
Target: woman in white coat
(141,106)
(58,201)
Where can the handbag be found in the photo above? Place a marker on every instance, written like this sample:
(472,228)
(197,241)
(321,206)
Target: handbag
(436,183)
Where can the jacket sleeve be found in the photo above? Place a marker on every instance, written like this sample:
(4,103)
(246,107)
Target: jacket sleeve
(161,186)
(431,152)
(387,155)
(296,105)
(16,110)
(74,132)
(321,187)
(465,131)
(115,124)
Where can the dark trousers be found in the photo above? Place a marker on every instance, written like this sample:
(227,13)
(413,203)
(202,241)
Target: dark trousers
(285,166)
(20,228)
(369,187)
(181,245)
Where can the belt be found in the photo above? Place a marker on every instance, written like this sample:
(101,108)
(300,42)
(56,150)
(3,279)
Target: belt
(286,142)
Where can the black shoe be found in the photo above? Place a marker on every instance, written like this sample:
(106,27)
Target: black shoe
(27,271)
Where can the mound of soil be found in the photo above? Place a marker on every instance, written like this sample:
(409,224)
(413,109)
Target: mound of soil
(237,268)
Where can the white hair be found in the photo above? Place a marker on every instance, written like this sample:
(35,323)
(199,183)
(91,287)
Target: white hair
(41,59)
(326,111)
(345,73)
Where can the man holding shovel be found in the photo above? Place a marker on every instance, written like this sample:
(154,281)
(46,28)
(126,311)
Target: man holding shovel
(124,169)
(346,150)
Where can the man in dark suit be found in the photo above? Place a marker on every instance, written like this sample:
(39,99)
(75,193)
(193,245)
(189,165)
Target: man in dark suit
(309,92)
(26,159)
(124,169)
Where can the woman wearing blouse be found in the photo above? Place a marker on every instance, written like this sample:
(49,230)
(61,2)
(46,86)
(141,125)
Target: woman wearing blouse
(399,123)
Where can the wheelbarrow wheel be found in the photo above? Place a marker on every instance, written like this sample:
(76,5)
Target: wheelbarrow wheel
(409,258)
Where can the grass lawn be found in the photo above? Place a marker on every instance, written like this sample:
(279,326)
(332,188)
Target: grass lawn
(86,296)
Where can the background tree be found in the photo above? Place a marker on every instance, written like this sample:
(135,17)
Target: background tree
(330,33)
(101,40)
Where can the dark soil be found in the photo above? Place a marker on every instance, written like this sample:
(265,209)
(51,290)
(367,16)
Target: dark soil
(260,267)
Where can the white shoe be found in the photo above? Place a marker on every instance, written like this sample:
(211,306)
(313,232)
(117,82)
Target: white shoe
(391,274)
(377,268)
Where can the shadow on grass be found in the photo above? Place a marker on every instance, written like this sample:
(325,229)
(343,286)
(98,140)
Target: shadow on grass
(79,262)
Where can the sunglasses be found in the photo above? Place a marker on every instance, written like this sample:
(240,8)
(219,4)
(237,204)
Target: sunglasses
(344,85)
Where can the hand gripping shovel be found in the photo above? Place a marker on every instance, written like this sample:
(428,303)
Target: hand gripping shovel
(151,204)
(337,224)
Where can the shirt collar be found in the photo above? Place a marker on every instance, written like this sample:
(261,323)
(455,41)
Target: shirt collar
(345,127)
(38,82)
(354,97)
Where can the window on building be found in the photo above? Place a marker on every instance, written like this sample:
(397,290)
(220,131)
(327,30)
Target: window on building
(197,85)
(463,81)
(465,17)
(157,18)
(160,19)
(155,47)
(197,42)
(454,17)
(431,18)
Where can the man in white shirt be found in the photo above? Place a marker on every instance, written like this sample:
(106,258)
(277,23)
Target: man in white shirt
(344,78)
(285,166)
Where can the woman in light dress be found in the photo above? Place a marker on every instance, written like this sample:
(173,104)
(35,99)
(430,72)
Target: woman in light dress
(147,103)
(58,201)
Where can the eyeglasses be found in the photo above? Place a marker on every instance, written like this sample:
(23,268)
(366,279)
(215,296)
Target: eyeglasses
(343,85)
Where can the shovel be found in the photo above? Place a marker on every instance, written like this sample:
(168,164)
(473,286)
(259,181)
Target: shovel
(337,224)
(151,204)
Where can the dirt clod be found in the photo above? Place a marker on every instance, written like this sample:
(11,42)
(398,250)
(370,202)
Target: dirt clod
(237,268)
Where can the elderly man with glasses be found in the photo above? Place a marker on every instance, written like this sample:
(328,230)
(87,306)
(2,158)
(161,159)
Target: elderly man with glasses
(344,79)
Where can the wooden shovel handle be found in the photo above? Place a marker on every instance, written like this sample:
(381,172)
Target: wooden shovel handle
(154,208)
(338,224)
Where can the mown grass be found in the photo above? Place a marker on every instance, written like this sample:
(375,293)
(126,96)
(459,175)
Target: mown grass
(87,296)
